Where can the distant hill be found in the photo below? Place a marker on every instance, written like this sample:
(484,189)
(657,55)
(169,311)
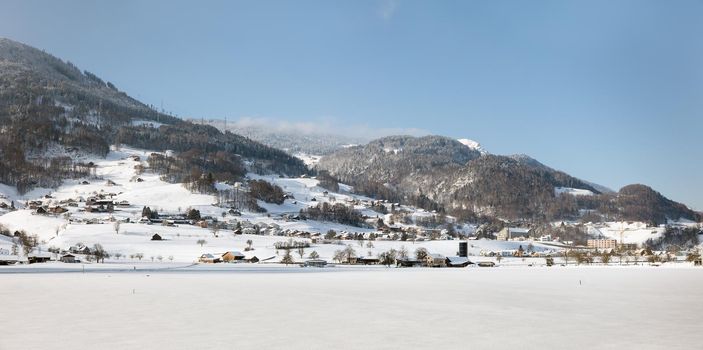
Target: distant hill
(294,139)
(439,173)
(49,108)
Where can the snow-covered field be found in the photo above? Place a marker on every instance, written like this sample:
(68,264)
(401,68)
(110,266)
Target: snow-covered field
(356,308)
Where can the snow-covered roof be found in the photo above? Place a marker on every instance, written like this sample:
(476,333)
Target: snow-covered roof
(234,253)
(518,230)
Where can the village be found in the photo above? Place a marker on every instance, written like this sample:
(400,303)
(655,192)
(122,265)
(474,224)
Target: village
(126,213)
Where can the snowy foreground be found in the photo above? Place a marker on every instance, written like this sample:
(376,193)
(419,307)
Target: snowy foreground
(247,306)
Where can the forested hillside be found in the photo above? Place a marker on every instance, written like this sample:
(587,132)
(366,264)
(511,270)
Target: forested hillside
(50,110)
(442,174)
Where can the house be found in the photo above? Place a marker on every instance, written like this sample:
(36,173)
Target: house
(68,258)
(209,259)
(156,237)
(232,256)
(513,233)
(458,261)
(435,260)
(38,257)
(315,263)
(79,249)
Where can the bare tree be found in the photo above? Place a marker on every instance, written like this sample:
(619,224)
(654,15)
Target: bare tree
(170,258)
(314,255)
(215,228)
(421,253)
(139,256)
(116,227)
(301,251)
(287,258)
(201,241)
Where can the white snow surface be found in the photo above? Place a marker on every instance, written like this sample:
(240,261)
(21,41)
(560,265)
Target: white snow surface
(474,145)
(369,308)
(572,191)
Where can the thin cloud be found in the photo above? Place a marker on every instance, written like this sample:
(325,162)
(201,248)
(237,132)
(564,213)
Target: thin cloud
(328,126)
(388,8)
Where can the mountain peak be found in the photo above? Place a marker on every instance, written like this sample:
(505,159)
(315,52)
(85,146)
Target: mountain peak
(474,145)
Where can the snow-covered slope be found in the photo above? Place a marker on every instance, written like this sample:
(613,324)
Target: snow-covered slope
(474,145)
(116,175)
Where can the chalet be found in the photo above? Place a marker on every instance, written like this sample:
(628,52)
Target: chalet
(34,204)
(458,261)
(38,257)
(513,233)
(85,183)
(69,258)
(122,203)
(232,256)
(435,260)
(4,205)
(41,210)
(209,259)
(79,249)
(315,263)
(156,237)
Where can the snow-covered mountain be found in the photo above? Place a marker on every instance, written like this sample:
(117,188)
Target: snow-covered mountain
(474,145)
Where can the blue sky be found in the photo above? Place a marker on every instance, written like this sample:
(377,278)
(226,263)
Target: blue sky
(609,91)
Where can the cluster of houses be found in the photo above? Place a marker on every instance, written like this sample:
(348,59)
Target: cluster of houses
(98,203)
(229,257)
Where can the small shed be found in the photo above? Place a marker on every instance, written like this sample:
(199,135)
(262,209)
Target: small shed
(252,259)
(38,257)
(209,259)
(315,263)
(8,259)
(68,258)
(458,261)
(368,260)
(156,237)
